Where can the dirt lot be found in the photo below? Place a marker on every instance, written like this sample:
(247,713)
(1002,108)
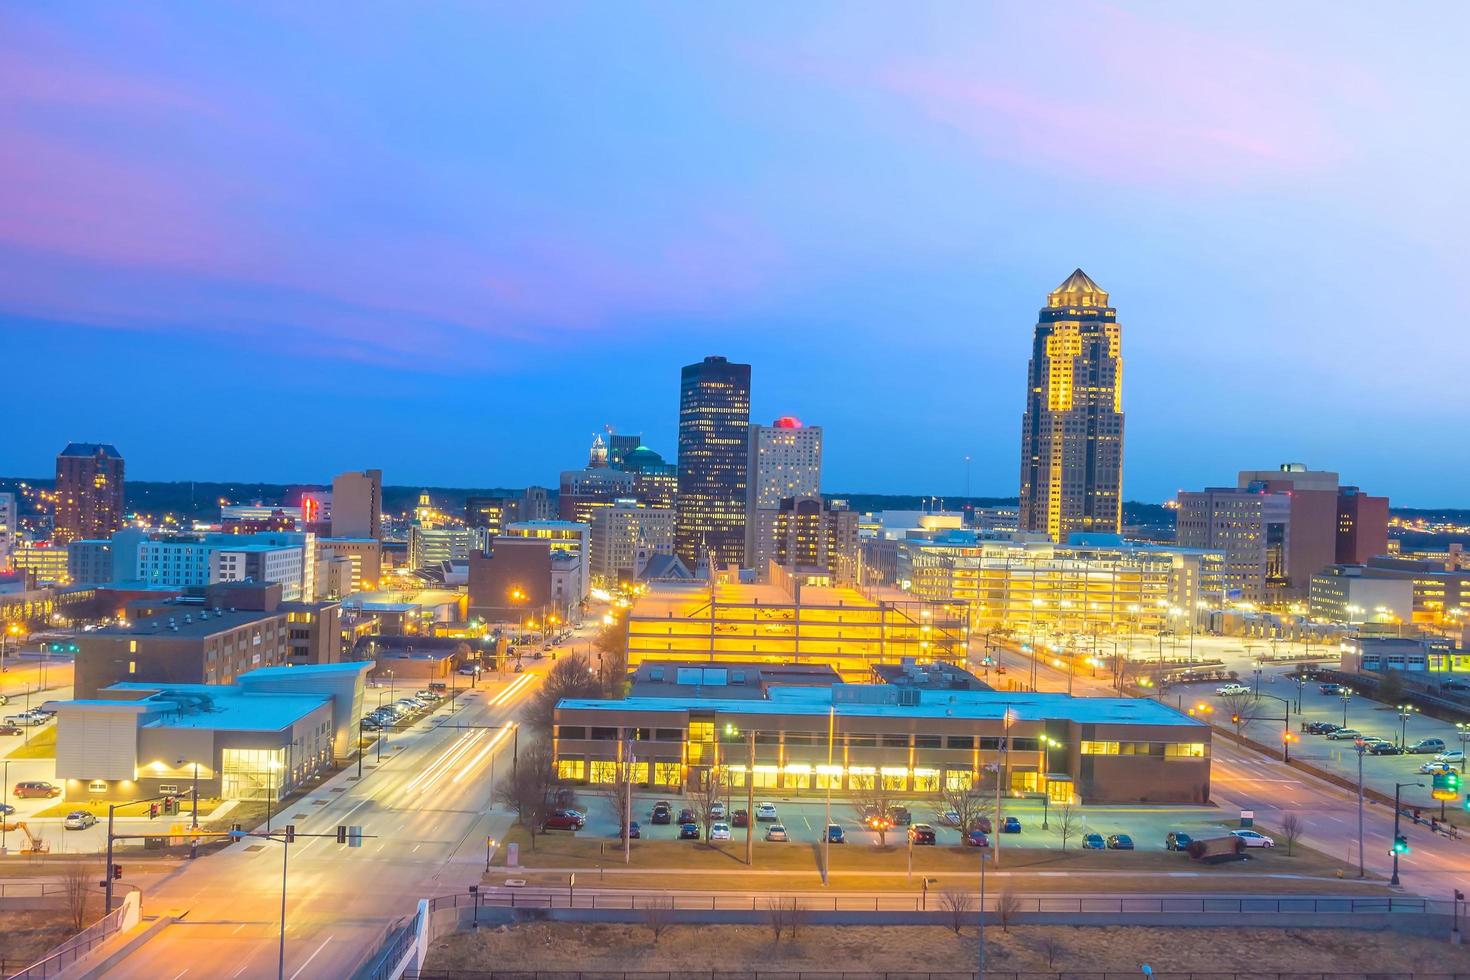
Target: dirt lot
(567,946)
(27,935)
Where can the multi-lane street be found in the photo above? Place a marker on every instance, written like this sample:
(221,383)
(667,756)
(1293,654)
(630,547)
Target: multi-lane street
(427,814)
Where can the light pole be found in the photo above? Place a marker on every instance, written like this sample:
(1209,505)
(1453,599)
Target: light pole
(1396,787)
(194,817)
(827,827)
(1047,744)
(1346,693)
(1285,725)
(4,809)
(1301,682)
(1257,670)
(1406,711)
(1362,748)
(1463,731)
(980,958)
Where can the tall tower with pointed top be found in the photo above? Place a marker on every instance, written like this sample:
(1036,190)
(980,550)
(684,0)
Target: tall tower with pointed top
(1072,430)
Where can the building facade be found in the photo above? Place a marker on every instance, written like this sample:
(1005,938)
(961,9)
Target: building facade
(89,492)
(810,533)
(8,529)
(89,562)
(1250,528)
(714,442)
(620,534)
(1072,429)
(357,505)
(785,462)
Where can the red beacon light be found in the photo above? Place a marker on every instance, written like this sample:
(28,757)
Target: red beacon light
(788,422)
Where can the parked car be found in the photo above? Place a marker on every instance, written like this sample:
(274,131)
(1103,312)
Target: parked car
(689,831)
(686,815)
(370,724)
(977,838)
(635,832)
(24,719)
(901,816)
(469,670)
(662,813)
(835,834)
(11,730)
(719,831)
(1093,842)
(1427,745)
(1330,688)
(765,811)
(427,696)
(1452,755)
(35,789)
(78,820)
(717,812)
(1120,842)
(1253,839)
(563,820)
(1012,825)
(950,818)
(1320,727)
(1436,768)
(1343,734)
(6,809)
(1384,748)
(1230,690)
(922,833)
(776,832)
(1177,840)
(740,818)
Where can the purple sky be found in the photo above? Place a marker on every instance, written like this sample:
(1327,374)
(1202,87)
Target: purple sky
(274,241)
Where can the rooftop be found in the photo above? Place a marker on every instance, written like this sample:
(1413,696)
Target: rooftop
(187,620)
(220,707)
(90,449)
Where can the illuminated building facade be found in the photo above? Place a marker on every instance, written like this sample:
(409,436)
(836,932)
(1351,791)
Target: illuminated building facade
(655,481)
(89,492)
(357,505)
(809,533)
(1072,430)
(785,462)
(714,438)
(625,533)
(7,529)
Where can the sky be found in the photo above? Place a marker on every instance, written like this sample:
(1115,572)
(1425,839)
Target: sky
(453,241)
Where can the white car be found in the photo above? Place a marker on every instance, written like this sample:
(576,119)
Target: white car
(765,811)
(1231,689)
(1253,839)
(78,820)
(717,812)
(719,831)
(1453,755)
(776,832)
(1436,768)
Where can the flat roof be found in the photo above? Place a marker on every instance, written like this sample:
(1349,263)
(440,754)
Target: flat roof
(976,705)
(203,622)
(222,707)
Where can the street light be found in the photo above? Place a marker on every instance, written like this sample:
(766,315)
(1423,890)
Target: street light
(1400,846)
(1346,693)
(1285,725)
(1463,730)
(1047,744)
(1406,711)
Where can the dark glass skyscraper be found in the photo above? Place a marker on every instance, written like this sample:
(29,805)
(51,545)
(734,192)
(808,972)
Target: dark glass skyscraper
(89,492)
(1072,431)
(714,436)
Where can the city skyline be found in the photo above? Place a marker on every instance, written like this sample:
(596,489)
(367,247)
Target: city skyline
(854,207)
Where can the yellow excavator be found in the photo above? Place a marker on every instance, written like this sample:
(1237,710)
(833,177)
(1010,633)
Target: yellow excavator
(34,844)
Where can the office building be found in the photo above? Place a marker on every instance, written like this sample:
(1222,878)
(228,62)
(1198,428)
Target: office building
(47,562)
(287,558)
(491,513)
(583,492)
(89,562)
(9,529)
(511,581)
(432,546)
(784,462)
(89,492)
(566,538)
(850,738)
(1362,526)
(655,481)
(316,510)
(357,505)
(256,739)
(623,534)
(619,446)
(787,621)
(810,536)
(714,443)
(1249,528)
(1346,594)
(365,557)
(1072,430)
(536,505)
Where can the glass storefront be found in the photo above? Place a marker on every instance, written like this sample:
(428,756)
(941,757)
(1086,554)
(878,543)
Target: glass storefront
(253,774)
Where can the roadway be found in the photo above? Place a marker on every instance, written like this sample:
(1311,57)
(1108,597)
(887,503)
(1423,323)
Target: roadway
(427,813)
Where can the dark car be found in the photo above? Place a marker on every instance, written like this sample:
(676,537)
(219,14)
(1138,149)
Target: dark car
(1177,840)
(1093,842)
(689,831)
(1321,727)
(901,816)
(1120,842)
(740,818)
(563,820)
(922,833)
(662,814)
(1330,688)
(835,834)
(634,831)
(6,809)
(1012,825)
(977,838)
(686,815)
(11,730)
(1384,748)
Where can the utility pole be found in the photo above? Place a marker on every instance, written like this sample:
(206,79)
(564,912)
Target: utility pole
(628,807)
(750,798)
(827,827)
(1361,749)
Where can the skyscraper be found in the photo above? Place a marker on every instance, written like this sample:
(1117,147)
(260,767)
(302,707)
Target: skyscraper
(357,505)
(1072,430)
(714,420)
(785,462)
(89,491)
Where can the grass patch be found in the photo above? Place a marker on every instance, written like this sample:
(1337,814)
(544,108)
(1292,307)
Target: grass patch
(41,745)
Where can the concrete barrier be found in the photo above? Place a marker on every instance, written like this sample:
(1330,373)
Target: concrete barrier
(122,945)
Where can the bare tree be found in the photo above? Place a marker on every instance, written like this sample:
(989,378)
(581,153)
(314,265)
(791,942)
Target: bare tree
(708,794)
(875,803)
(959,904)
(611,646)
(1242,709)
(1390,687)
(655,915)
(618,792)
(797,916)
(1007,904)
(1068,823)
(76,881)
(530,791)
(971,807)
(1051,948)
(569,677)
(776,917)
(1291,830)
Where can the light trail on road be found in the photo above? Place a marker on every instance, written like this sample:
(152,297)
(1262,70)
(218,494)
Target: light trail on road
(512,691)
(446,760)
(499,739)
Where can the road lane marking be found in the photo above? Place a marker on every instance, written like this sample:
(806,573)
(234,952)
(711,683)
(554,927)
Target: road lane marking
(181,973)
(310,958)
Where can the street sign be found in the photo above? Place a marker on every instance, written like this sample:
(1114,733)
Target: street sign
(1446,786)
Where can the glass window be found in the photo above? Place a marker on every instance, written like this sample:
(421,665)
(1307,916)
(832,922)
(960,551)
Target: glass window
(862,741)
(571,731)
(667,773)
(605,734)
(895,741)
(571,769)
(960,742)
(895,777)
(668,734)
(1184,750)
(926,741)
(1099,748)
(958,779)
(926,780)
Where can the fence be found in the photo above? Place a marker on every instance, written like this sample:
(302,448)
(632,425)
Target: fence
(931,902)
(989,975)
(32,889)
(78,946)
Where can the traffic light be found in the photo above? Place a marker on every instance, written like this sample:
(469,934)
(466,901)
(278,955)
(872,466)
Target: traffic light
(152,811)
(341,833)
(290,833)
(117,872)
(1401,844)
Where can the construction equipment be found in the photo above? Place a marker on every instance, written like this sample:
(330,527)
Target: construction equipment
(34,843)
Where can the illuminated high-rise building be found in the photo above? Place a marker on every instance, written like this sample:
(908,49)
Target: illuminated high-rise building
(1072,431)
(89,492)
(714,440)
(785,463)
